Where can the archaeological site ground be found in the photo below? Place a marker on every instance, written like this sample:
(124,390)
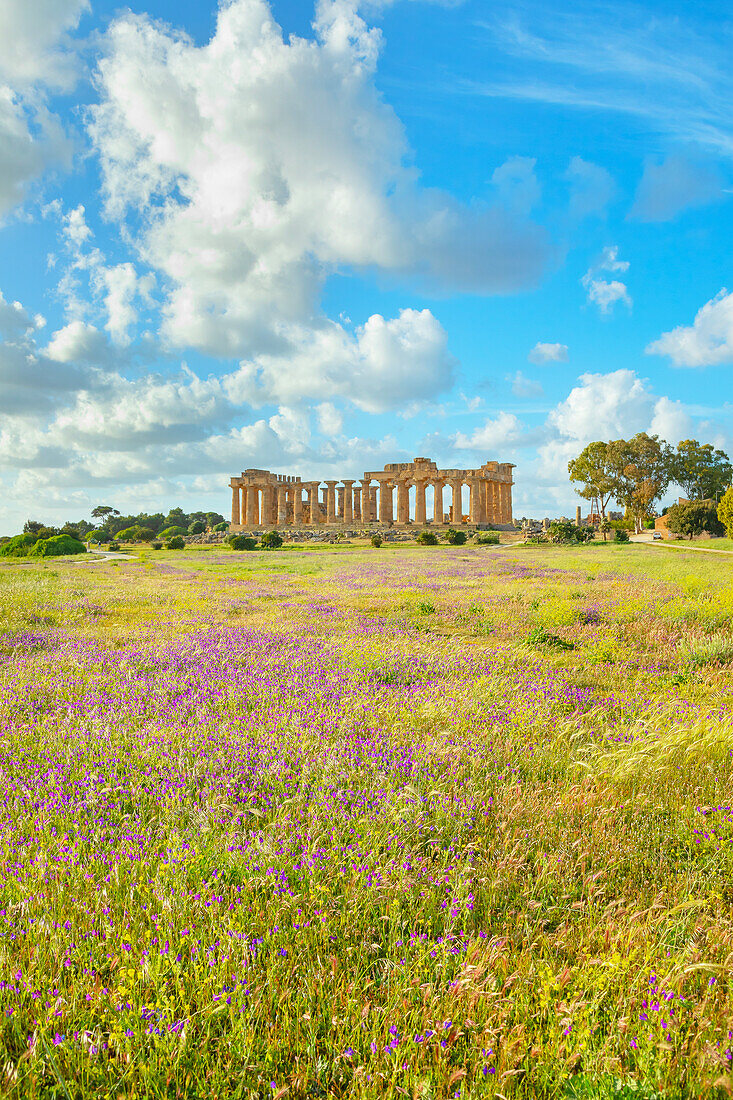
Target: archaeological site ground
(352,822)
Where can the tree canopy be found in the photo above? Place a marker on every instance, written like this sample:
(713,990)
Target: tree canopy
(693,518)
(636,472)
(701,471)
(594,470)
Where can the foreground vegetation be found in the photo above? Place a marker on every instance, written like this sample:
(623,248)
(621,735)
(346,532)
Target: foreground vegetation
(437,822)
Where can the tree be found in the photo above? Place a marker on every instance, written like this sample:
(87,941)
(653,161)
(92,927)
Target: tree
(197,527)
(176,518)
(595,470)
(641,468)
(693,518)
(701,471)
(103,511)
(725,512)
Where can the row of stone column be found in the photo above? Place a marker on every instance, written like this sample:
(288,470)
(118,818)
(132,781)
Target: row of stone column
(281,504)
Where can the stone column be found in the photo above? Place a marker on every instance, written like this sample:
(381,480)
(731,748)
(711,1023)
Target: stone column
(493,489)
(373,489)
(403,503)
(269,506)
(253,506)
(478,501)
(340,503)
(316,510)
(385,502)
(330,502)
(282,505)
(420,503)
(366,502)
(235,505)
(297,505)
(506,501)
(348,510)
(474,500)
(357,504)
(437,502)
(456,511)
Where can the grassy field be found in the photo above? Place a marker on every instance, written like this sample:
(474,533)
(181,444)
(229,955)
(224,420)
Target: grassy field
(344,822)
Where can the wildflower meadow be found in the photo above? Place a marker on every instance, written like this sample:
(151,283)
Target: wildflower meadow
(354,822)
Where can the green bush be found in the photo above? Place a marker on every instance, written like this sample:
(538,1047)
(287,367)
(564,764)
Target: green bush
(114,545)
(172,532)
(488,538)
(157,545)
(427,538)
(57,546)
(271,540)
(540,636)
(197,527)
(242,542)
(18,547)
(136,533)
(376,541)
(175,543)
(725,511)
(223,526)
(455,538)
(621,535)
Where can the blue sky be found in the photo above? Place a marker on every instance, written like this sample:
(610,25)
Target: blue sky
(321,239)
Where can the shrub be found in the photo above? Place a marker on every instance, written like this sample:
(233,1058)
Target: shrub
(376,541)
(540,636)
(172,532)
(488,538)
(621,535)
(136,533)
(223,526)
(57,546)
(157,545)
(19,546)
(455,538)
(427,538)
(114,545)
(242,542)
(725,511)
(175,543)
(271,540)
(197,527)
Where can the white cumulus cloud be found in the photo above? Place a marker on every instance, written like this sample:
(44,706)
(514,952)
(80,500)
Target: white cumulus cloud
(707,341)
(265,165)
(490,436)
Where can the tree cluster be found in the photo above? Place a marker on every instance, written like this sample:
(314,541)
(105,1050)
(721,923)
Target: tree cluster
(636,472)
(144,527)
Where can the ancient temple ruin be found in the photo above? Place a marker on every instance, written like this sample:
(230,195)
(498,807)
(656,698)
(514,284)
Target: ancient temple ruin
(406,493)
